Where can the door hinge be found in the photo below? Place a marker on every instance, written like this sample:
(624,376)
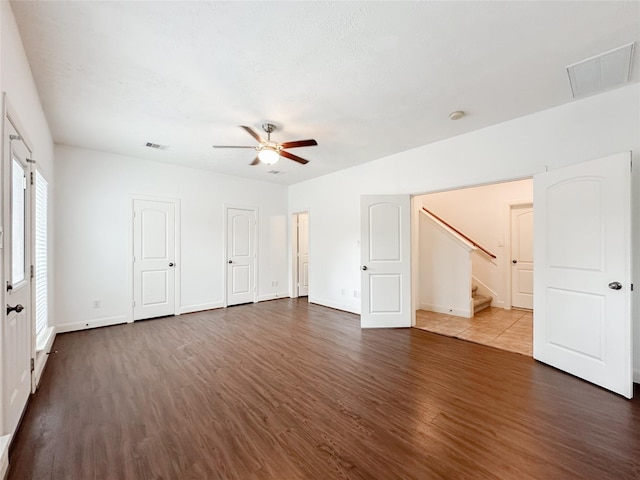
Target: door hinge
(33,364)
(30,160)
(32,271)
(31,178)
(632,287)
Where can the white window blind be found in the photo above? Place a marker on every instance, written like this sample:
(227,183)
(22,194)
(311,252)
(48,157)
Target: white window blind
(41,253)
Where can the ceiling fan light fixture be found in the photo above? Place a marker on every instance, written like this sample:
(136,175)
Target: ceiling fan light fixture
(268,155)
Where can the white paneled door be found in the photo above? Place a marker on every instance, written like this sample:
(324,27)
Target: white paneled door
(522,256)
(241,256)
(582,261)
(385,261)
(303,254)
(154,258)
(18,341)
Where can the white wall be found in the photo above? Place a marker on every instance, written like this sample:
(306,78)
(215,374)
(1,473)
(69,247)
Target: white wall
(445,270)
(24,105)
(575,132)
(481,213)
(93,219)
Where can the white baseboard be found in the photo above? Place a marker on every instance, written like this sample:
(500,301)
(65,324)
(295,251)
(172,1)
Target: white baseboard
(272,296)
(4,455)
(199,308)
(332,304)
(458,312)
(45,342)
(98,322)
(483,289)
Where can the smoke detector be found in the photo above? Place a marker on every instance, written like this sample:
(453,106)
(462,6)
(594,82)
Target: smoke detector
(457,115)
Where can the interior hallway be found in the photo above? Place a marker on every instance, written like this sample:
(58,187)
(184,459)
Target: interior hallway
(510,330)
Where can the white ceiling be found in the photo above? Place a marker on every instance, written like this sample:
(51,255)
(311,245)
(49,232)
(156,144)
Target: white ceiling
(365,79)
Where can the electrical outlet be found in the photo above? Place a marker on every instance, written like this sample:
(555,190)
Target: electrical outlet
(95,303)
(343,291)
(356,293)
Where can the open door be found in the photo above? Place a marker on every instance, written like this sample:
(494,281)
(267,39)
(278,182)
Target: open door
(582,263)
(17,325)
(386,262)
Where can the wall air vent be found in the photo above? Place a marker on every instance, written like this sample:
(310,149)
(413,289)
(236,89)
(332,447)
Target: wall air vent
(157,146)
(603,72)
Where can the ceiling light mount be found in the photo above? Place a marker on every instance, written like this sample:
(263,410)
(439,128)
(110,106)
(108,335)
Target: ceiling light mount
(457,115)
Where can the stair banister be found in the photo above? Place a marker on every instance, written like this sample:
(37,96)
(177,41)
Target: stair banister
(451,227)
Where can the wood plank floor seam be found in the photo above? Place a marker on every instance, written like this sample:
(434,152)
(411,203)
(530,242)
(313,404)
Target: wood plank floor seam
(290,390)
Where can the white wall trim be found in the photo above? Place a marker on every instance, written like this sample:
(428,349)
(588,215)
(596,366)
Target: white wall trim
(201,307)
(458,312)
(331,304)
(95,323)
(293,249)
(4,455)
(271,296)
(42,353)
(483,289)
(466,244)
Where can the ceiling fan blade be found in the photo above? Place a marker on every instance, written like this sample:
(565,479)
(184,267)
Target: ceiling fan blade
(254,134)
(299,143)
(293,157)
(255,162)
(231,146)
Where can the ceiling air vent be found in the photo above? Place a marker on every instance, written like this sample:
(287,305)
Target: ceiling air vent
(275,172)
(157,146)
(602,72)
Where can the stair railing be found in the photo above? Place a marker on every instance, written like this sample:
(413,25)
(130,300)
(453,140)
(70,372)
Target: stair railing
(451,227)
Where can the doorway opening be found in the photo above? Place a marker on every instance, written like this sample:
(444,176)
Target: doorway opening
(300,254)
(475,267)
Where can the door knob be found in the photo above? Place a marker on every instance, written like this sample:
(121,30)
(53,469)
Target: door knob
(615,286)
(364,267)
(230,261)
(18,308)
(514,261)
(171,264)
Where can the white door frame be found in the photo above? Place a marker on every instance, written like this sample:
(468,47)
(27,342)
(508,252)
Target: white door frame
(225,243)
(508,253)
(9,114)
(178,262)
(293,286)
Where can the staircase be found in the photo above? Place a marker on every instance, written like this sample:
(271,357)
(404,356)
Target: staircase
(480,302)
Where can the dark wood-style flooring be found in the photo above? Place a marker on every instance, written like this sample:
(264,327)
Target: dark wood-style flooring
(286,390)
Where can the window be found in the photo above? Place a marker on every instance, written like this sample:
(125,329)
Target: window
(41,292)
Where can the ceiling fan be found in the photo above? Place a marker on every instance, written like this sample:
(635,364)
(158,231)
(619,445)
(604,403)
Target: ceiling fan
(269,152)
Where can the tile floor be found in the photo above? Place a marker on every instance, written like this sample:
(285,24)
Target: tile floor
(505,329)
